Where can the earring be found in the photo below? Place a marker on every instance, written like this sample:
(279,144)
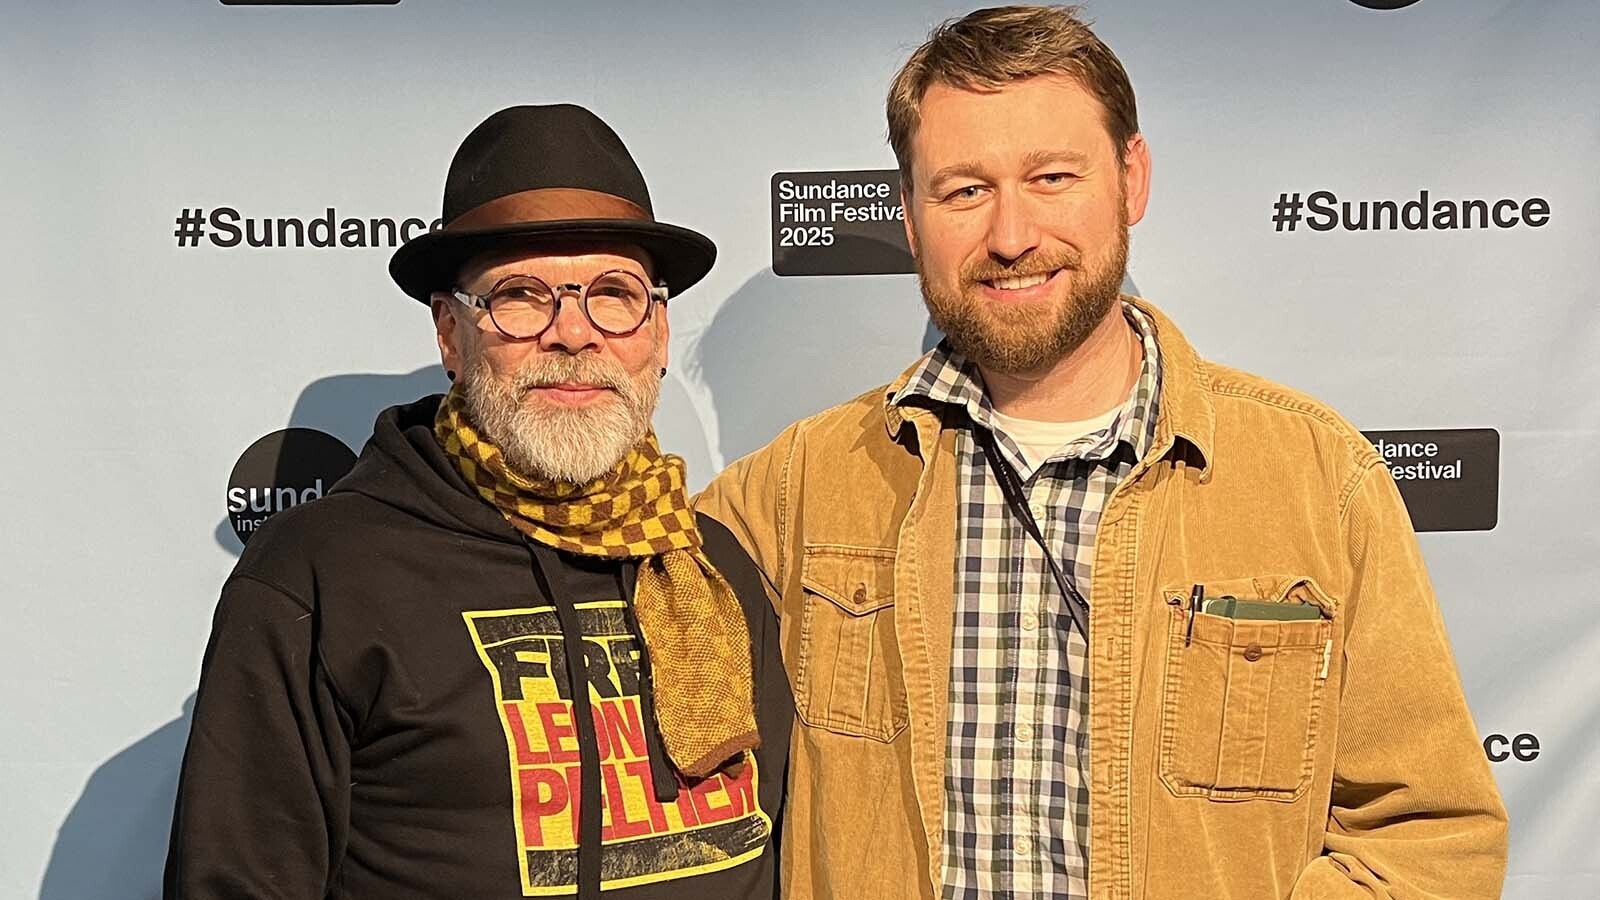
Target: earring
(663,371)
(450,374)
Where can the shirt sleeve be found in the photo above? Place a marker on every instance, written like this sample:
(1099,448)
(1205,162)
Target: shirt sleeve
(1415,812)
(750,499)
(263,797)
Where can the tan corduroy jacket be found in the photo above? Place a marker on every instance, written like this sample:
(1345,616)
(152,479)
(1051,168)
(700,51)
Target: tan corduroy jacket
(1329,758)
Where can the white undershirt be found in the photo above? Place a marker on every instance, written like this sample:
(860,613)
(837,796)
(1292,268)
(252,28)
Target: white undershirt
(1038,441)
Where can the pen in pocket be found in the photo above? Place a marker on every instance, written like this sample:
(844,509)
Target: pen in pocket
(1196,597)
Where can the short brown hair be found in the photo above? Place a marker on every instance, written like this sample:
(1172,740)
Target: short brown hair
(989,48)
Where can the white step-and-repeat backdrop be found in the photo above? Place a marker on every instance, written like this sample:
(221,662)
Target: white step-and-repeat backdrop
(1392,205)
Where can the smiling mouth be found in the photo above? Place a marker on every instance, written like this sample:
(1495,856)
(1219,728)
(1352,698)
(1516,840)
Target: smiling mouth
(1018,282)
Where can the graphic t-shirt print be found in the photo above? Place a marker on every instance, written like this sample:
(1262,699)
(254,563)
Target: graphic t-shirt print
(715,824)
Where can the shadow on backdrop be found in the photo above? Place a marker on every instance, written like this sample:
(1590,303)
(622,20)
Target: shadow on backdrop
(343,406)
(782,348)
(680,431)
(113,842)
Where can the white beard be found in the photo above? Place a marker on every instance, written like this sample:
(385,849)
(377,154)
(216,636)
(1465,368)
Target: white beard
(572,445)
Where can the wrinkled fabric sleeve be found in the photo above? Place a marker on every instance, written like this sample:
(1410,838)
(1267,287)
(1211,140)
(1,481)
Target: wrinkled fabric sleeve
(750,499)
(1415,812)
(263,797)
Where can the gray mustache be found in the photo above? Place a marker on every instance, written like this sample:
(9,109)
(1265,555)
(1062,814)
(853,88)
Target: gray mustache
(584,371)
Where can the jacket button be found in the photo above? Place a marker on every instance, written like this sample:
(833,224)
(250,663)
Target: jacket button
(861,594)
(1252,652)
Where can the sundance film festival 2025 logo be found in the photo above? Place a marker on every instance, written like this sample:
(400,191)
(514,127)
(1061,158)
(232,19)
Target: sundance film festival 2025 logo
(282,470)
(1449,478)
(839,223)
(225,227)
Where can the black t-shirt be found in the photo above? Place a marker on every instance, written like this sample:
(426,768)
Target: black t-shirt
(386,711)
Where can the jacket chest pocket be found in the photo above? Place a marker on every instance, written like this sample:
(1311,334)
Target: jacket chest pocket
(1242,699)
(847,678)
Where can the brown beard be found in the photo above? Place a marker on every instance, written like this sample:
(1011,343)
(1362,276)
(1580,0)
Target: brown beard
(1016,339)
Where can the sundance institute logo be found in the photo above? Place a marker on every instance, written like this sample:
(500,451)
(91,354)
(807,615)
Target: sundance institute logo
(286,468)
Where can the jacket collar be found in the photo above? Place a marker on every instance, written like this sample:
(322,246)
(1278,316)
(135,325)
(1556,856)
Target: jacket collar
(1185,411)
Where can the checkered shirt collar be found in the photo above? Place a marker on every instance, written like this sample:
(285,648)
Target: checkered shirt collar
(947,378)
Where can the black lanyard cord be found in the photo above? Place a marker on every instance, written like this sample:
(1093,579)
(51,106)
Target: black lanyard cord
(1011,489)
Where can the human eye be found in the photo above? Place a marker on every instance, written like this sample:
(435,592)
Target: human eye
(612,291)
(520,290)
(966,193)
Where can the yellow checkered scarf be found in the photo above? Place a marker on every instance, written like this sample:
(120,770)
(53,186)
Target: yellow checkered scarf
(693,625)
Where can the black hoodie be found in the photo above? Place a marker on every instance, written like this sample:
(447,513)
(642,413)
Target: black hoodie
(385,712)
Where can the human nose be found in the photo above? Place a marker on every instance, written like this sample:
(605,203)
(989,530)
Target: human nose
(1013,230)
(571,331)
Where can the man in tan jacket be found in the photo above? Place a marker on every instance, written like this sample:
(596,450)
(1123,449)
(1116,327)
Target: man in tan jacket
(1070,611)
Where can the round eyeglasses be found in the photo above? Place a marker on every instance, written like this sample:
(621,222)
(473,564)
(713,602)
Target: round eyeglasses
(522,307)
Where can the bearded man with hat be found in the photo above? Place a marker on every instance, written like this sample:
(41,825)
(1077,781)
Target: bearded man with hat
(502,658)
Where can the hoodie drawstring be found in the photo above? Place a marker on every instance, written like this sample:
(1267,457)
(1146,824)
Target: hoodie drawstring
(545,561)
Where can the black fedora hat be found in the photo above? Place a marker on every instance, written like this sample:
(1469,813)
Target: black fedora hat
(531,174)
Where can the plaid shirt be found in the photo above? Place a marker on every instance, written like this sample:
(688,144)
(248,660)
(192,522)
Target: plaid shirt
(1016,813)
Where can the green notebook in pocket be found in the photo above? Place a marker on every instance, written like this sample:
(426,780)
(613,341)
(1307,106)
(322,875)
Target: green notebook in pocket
(1234,608)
